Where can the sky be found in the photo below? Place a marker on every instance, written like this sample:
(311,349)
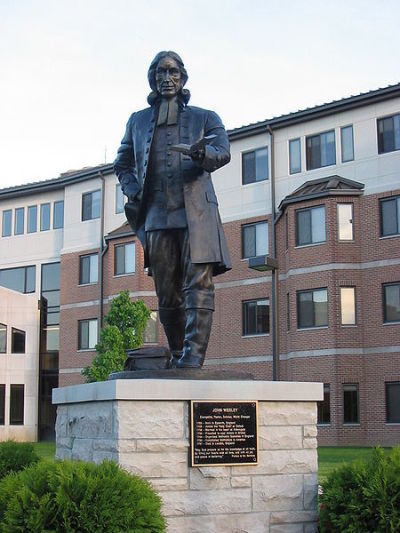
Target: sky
(72,71)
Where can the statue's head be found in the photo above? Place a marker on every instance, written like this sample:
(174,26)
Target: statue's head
(167,76)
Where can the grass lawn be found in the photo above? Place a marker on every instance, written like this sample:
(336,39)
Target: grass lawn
(45,450)
(330,457)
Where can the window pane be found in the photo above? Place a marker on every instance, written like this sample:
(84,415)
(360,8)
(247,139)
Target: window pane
(7,216)
(262,164)
(83,335)
(17,405)
(249,318)
(44,217)
(249,241)
(94,268)
(30,279)
(19,221)
(85,269)
(393,402)
(51,338)
(32,219)
(86,206)
(313,152)
(150,334)
(51,277)
(345,221)
(262,316)
(52,298)
(324,407)
(130,258)
(389,215)
(92,333)
(328,155)
(385,135)
(303,227)
(391,298)
(2,404)
(347,144)
(318,224)
(119,260)
(305,310)
(294,156)
(58,215)
(17,341)
(13,278)
(3,338)
(249,168)
(321,307)
(396,125)
(96,204)
(348,305)
(262,238)
(119,199)
(350,404)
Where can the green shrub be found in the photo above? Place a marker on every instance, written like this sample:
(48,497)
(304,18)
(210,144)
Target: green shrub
(68,496)
(363,496)
(14,456)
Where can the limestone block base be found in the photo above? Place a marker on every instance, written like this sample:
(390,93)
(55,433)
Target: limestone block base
(144,426)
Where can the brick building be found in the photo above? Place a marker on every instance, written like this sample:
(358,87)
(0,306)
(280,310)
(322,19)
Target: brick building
(318,190)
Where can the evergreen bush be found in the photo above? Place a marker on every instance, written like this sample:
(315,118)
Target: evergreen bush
(14,456)
(363,496)
(66,496)
(125,324)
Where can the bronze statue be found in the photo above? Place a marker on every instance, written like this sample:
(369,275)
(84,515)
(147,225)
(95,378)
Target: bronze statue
(163,164)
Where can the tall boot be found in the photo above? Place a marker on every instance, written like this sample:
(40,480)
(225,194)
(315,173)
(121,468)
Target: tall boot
(174,322)
(197,335)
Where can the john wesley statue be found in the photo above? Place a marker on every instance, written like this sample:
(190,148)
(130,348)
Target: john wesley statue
(165,172)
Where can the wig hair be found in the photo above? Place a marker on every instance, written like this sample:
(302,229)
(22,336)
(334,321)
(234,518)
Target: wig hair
(154,96)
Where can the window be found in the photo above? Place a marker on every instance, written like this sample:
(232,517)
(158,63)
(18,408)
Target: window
(19,279)
(393,402)
(2,404)
(7,219)
(351,410)
(288,311)
(348,306)
(388,134)
(32,218)
(254,239)
(17,405)
(58,214)
(294,156)
(119,199)
(312,308)
(124,259)
(88,269)
(87,334)
(255,166)
(345,221)
(91,205)
(255,317)
(150,334)
(44,217)
(17,340)
(19,221)
(346,135)
(310,226)
(324,407)
(3,338)
(321,150)
(391,302)
(390,216)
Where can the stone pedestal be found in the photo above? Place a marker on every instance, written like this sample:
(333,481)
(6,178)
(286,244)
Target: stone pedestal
(144,426)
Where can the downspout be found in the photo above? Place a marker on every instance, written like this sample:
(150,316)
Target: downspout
(274,287)
(103,250)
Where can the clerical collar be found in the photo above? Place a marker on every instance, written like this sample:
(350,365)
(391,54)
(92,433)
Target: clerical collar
(168,112)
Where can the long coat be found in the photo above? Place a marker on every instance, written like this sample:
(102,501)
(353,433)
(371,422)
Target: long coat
(206,234)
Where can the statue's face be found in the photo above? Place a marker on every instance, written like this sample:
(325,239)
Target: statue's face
(168,77)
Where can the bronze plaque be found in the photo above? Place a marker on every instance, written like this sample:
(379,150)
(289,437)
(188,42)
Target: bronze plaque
(224,433)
